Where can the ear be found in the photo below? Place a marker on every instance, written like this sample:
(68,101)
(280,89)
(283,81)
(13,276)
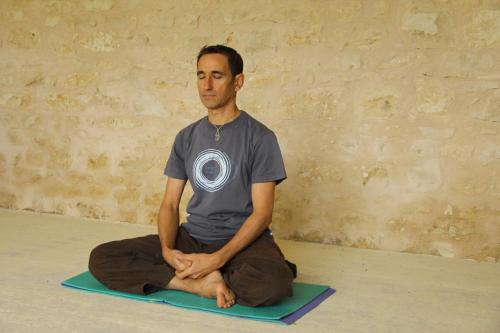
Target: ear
(238,81)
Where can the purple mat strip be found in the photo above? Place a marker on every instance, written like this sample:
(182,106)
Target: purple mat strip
(291,318)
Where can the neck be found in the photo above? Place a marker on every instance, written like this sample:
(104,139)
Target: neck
(223,116)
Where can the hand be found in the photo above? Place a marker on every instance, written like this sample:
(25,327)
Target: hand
(201,264)
(175,259)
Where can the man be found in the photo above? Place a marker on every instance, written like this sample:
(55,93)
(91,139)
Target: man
(225,249)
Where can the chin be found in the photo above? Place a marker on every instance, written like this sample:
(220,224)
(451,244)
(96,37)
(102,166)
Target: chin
(211,105)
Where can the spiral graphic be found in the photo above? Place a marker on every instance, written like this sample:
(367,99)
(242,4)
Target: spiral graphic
(223,163)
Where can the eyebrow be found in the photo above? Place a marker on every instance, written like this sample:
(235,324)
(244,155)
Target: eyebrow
(212,72)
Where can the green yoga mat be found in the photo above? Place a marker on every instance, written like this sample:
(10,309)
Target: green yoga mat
(305,298)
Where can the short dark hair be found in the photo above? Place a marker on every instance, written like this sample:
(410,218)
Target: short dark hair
(233,58)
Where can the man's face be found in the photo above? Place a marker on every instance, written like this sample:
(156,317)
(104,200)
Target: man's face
(216,86)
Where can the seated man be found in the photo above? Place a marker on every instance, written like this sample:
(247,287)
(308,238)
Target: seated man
(225,249)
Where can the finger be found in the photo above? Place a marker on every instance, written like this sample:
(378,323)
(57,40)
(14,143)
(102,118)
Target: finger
(183,256)
(181,275)
(187,263)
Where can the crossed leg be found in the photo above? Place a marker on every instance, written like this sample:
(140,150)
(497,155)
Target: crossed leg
(256,276)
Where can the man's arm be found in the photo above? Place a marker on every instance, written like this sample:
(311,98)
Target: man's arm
(168,222)
(256,223)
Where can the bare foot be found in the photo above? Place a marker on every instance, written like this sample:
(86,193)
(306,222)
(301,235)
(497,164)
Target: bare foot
(211,286)
(214,286)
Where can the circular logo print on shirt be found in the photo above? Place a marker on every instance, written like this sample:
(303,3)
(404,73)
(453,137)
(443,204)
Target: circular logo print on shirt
(211,170)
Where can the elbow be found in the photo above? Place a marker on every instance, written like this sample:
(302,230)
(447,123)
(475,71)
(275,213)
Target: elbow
(169,207)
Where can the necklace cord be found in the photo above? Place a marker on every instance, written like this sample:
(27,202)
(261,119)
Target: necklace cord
(219,127)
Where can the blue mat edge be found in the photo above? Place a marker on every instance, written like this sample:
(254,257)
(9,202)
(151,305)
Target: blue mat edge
(286,320)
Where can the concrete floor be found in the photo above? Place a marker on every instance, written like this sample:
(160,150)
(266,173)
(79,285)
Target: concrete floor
(377,291)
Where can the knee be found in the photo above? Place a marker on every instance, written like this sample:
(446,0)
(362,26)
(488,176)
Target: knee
(99,257)
(255,286)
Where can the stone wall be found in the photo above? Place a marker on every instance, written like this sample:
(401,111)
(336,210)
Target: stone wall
(387,112)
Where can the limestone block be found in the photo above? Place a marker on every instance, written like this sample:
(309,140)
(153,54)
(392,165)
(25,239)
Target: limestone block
(91,210)
(7,199)
(423,148)
(488,152)
(319,104)
(311,173)
(382,148)
(34,158)
(433,96)
(12,101)
(119,123)
(15,137)
(380,106)
(24,39)
(376,174)
(115,180)
(16,14)
(135,164)
(94,191)
(100,42)
(127,215)
(59,159)
(25,176)
(52,21)
(78,177)
(82,79)
(59,7)
(62,103)
(127,196)
(34,121)
(349,146)
(424,177)
(2,164)
(488,111)
(97,162)
(147,104)
(151,217)
(365,39)
(420,23)
(483,30)
(153,199)
(435,133)
(98,5)
(308,35)
(350,60)
(461,152)
(445,249)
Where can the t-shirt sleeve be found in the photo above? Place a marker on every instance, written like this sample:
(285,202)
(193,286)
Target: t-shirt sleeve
(267,165)
(175,167)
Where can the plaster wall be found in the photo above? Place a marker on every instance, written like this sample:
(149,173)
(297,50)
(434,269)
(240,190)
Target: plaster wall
(387,112)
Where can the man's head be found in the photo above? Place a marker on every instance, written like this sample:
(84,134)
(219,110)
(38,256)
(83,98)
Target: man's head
(219,71)
(234,60)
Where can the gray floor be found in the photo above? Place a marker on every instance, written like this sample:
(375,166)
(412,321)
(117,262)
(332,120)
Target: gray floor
(377,291)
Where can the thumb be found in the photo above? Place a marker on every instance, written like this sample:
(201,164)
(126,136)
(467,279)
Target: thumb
(183,255)
(181,275)
(180,265)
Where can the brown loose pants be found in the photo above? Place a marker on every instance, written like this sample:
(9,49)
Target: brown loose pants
(258,275)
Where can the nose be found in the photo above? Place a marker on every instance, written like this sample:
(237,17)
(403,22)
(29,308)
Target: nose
(207,83)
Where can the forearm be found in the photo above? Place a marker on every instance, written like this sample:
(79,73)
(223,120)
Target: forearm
(168,225)
(253,227)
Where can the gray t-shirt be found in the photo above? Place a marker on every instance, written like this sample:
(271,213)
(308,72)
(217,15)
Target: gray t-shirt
(221,172)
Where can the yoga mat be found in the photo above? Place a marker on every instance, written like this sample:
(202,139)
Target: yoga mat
(305,298)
